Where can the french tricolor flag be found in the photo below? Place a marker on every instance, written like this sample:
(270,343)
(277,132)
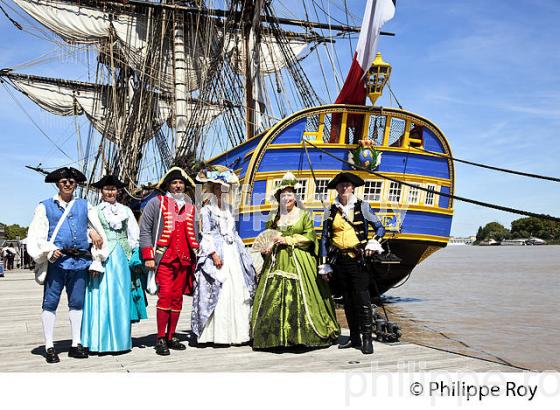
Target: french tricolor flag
(377,13)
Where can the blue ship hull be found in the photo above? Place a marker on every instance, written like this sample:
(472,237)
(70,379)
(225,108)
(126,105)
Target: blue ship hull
(413,150)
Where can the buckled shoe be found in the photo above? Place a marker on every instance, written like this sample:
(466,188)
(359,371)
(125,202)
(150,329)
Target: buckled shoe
(78,352)
(175,344)
(52,356)
(161,347)
(351,342)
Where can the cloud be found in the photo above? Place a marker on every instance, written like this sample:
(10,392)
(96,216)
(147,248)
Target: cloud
(548,106)
(552,112)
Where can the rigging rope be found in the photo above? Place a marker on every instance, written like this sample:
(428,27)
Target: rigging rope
(35,123)
(394,96)
(15,23)
(477,164)
(458,198)
(348,23)
(322,198)
(328,14)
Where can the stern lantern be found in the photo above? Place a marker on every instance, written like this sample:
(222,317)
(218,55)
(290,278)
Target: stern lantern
(378,75)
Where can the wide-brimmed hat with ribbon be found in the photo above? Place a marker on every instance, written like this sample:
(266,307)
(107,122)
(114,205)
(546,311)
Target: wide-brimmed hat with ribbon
(173,174)
(345,177)
(289,180)
(217,174)
(108,180)
(65,173)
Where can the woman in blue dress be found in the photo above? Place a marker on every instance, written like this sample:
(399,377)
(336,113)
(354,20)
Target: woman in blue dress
(112,298)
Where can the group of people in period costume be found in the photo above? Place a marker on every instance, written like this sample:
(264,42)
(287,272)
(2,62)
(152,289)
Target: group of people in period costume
(101,255)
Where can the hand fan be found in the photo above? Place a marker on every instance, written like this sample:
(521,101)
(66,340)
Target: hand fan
(264,240)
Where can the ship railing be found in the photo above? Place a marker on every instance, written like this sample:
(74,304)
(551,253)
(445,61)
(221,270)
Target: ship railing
(386,127)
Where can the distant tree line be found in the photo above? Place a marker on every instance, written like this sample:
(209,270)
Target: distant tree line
(13,232)
(521,228)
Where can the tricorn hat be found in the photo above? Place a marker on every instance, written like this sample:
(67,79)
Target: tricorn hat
(65,172)
(173,174)
(109,180)
(345,177)
(217,174)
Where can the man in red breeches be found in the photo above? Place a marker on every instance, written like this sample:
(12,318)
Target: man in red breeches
(168,243)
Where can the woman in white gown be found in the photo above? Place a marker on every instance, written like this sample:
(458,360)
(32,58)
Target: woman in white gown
(225,276)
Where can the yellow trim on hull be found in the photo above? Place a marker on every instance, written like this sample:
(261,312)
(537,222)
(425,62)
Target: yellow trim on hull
(383,205)
(443,240)
(263,176)
(421,237)
(326,145)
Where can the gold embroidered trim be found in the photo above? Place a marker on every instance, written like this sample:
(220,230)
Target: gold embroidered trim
(287,275)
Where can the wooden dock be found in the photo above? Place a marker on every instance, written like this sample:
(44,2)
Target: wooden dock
(22,350)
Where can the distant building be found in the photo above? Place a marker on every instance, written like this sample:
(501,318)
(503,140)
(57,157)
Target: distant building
(468,240)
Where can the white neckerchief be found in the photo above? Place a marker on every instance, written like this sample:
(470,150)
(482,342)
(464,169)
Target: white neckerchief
(226,224)
(114,214)
(345,209)
(61,201)
(179,198)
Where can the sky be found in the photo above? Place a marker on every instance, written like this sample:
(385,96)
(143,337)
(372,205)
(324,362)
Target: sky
(486,72)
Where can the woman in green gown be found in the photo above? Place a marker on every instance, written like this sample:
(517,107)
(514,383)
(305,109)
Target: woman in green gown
(292,306)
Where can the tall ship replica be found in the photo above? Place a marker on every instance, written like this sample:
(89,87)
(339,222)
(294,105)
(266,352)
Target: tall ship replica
(246,84)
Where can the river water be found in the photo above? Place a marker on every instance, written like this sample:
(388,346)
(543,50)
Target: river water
(497,303)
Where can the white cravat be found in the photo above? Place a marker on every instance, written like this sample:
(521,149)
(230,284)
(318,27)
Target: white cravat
(349,207)
(179,198)
(115,214)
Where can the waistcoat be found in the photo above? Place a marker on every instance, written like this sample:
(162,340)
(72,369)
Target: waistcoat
(72,233)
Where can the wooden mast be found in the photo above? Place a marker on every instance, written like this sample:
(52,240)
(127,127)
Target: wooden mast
(251,37)
(180,74)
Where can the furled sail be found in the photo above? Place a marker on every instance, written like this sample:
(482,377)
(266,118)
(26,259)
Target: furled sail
(95,101)
(73,22)
(57,99)
(76,98)
(128,31)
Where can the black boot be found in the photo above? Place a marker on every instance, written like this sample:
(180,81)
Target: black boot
(366,325)
(367,343)
(352,320)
